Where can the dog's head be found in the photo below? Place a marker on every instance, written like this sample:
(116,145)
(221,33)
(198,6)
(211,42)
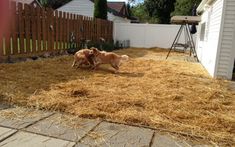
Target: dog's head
(95,51)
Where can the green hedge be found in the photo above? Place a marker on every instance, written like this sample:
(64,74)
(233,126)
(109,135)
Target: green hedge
(102,46)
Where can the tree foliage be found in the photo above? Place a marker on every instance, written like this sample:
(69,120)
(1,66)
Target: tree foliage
(100,9)
(160,9)
(140,11)
(53,3)
(184,7)
(128,6)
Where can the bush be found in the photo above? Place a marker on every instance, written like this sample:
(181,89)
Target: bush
(102,46)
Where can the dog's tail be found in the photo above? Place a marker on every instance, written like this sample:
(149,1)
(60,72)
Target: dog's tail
(124,57)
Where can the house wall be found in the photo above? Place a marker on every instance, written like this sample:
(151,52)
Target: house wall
(207,49)
(227,47)
(34,3)
(117,19)
(147,35)
(86,8)
(80,7)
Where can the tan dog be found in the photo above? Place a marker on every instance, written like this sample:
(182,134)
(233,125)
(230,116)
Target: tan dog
(84,57)
(111,58)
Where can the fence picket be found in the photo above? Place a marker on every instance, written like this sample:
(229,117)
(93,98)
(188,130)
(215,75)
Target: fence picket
(61,28)
(21,27)
(7,34)
(52,29)
(48,28)
(27,27)
(14,28)
(64,30)
(1,45)
(56,30)
(39,30)
(36,30)
(44,33)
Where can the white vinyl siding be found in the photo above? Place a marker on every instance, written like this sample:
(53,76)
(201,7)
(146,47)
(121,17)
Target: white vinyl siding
(203,31)
(226,57)
(207,50)
(86,8)
(80,7)
(118,19)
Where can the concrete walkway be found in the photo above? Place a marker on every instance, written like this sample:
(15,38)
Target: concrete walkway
(20,127)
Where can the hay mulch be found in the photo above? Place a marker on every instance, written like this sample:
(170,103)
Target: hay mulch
(172,95)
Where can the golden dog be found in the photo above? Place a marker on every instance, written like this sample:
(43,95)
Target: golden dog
(111,58)
(84,57)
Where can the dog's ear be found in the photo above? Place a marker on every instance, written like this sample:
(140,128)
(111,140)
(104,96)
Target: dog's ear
(92,48)
(95,50)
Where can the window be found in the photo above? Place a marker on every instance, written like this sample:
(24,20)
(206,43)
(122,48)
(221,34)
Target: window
(203,30)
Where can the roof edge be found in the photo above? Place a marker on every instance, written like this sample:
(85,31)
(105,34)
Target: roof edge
(203,4)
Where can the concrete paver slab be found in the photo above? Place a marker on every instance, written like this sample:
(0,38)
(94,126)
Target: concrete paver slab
(81,145)
(25,139)
(20,118)
(116,135)
(64,127)
(5,132)
(161,140)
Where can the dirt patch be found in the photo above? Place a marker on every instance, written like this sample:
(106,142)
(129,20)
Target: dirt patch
(175,95)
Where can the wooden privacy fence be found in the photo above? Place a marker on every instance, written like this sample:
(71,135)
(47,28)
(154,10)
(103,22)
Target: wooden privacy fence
(35,30)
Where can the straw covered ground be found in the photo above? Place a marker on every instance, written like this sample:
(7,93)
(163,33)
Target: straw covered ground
(172,95)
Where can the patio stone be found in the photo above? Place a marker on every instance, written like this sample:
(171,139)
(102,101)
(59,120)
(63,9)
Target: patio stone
(19,118)
(116,135)
(25,139)
(81,145)
(163,140)
(64,127)
(5,132)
